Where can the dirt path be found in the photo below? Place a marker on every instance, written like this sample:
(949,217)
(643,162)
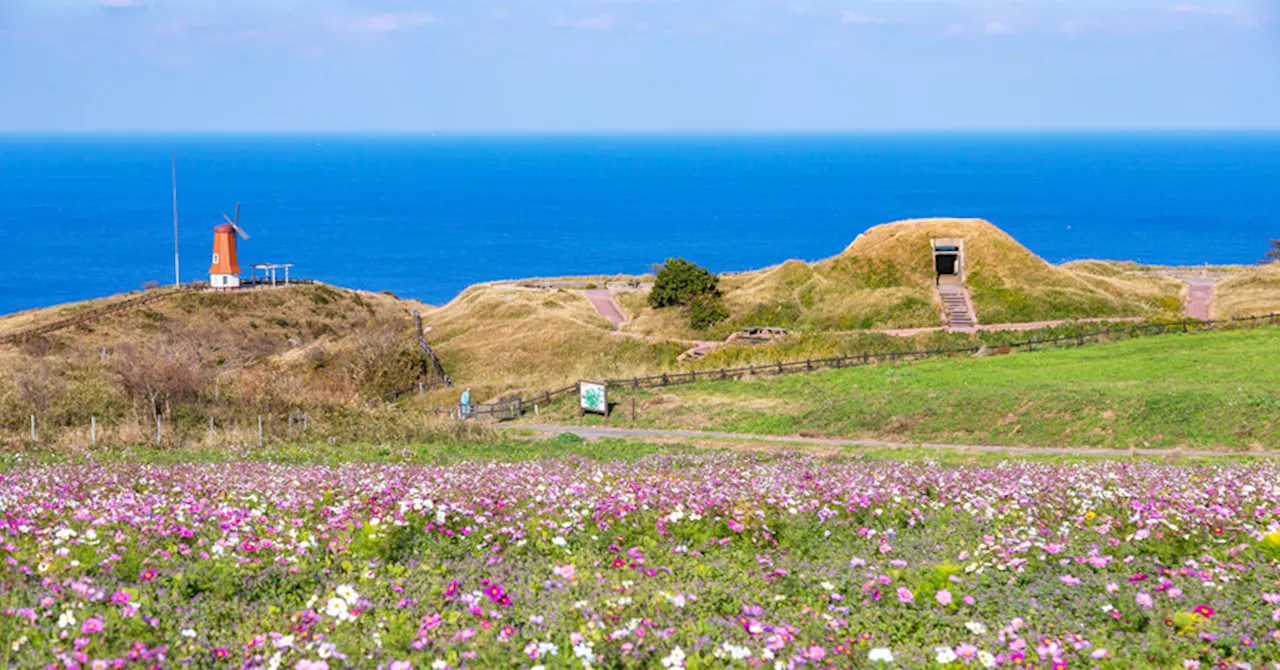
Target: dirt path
(1199,295)
(597,432)
(603,301)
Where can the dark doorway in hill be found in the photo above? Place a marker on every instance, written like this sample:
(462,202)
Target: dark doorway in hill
(948,261)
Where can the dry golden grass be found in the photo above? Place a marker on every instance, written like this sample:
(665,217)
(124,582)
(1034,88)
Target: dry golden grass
(503,338)
(262,350)
(1248,293)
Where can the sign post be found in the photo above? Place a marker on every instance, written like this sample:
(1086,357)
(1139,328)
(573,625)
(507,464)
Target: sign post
(593,397)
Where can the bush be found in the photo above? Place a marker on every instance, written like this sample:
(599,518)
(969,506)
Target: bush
(680,282)
(706,311)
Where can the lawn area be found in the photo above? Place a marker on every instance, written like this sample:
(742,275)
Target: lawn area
(1204,390)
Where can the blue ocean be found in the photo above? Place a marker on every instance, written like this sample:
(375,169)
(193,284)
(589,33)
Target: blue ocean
(425,216)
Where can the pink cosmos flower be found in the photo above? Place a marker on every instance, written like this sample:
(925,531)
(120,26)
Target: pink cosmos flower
(905,595)
(91,625)
(1144,600)
(119,598)
(943,597)
(400,665)
(1069,580)
(970,600)
(1174,592)
(1205,611)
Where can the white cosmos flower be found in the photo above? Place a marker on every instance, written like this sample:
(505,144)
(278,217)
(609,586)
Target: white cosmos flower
(348,593)
(336,608)
(976,627)
(945,655)
(880,655)
(986,659)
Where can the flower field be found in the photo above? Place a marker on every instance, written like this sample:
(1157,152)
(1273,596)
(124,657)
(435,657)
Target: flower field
(689,560)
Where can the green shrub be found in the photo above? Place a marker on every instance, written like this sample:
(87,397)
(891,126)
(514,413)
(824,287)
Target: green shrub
(707,311)
(680,282)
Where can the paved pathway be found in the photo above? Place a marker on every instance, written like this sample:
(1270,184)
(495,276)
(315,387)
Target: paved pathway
(602,300)
(1199,295)
(597,432)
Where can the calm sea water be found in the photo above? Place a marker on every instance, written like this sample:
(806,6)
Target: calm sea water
(426,216)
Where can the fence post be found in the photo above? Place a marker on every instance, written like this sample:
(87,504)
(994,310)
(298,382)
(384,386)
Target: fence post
(808,364)
(33,428)
(693,375)
(633,410)
(93,431)
(664,379)
(259,430)
(635,382)
(779,367)
(157,429)
(211,432)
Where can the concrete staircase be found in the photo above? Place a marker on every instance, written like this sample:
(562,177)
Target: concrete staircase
(957,308)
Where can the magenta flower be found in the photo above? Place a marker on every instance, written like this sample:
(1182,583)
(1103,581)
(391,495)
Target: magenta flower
(905,595)
(1144,599)
(92,625)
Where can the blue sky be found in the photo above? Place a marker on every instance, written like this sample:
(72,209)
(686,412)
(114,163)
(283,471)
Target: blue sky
(644,65)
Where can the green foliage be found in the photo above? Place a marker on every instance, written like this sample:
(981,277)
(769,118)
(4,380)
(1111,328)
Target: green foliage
(680,281)
(706,311)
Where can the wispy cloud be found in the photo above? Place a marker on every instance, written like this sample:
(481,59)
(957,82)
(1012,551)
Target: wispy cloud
(855,18)
(1186,8)
(600,23)
(122,4)
(1076,27)
(390,22)
(998,28)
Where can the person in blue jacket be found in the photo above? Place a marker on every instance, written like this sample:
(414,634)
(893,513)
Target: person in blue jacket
(465,404)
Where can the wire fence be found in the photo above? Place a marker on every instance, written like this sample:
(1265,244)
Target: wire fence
(522,406)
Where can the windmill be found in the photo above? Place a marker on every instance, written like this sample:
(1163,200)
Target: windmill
(224,273)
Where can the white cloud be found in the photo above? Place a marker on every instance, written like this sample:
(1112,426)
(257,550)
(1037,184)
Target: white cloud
(391,22)
(1186,8)
(998,28)
(1075,27)
(122,4)
(603,22)
(860,19)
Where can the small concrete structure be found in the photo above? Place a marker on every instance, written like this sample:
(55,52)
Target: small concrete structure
(948,260)
(269,270)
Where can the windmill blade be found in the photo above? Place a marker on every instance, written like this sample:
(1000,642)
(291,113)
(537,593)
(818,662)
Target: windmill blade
(224,215)
(237,221)
(240,231)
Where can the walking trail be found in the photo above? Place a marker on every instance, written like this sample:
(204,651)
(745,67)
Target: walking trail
(1199,295)
(603,301)
(598,432)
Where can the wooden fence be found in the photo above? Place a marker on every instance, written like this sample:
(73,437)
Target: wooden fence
(791,367)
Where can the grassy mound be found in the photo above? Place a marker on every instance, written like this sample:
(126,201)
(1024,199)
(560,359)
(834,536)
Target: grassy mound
(885,280)
(233,355)
(1200,390)
(1248,293)
(503,337)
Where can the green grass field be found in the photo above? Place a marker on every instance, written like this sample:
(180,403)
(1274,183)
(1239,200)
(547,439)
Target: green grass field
(1207,390)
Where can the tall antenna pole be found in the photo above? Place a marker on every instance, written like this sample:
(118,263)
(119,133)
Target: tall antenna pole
(177,276)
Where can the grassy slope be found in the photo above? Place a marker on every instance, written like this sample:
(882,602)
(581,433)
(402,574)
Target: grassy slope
(1199,390)
(1248,293)
(267,350)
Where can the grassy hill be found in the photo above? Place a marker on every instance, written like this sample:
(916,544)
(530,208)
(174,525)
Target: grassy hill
(1199,390)
(885,280)
(1248,293)
(313,348)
